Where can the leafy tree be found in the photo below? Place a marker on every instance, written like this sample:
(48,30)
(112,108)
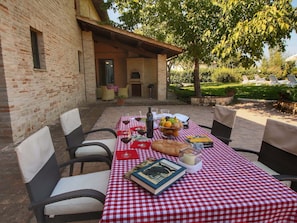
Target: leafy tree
(276,64)
(212,29)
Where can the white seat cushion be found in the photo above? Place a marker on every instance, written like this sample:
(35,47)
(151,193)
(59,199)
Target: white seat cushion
(97,181)
(270,171)
(96,150)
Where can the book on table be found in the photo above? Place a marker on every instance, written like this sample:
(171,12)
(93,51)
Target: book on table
(158,175)
(205,140)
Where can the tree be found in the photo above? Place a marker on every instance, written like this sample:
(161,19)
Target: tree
(212,29)
(276,64)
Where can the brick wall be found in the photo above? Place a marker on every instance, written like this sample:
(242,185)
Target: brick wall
(32,98)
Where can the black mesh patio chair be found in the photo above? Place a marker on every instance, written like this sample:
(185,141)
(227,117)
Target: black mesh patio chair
(223,123)
(55,198)
(278,152)
(78,146)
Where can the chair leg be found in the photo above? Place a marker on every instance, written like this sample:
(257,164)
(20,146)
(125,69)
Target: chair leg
(81,167)
(71,170)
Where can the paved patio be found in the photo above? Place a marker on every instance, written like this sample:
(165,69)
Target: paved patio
(248,131)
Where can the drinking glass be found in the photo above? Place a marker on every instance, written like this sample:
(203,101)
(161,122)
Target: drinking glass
(138,117)
(126,140)
(126,119)
(155,112)
(164,111)
(141,131)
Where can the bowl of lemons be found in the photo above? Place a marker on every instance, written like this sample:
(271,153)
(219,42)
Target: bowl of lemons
(170,126)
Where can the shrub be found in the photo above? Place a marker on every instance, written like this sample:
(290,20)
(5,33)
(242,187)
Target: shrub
(225,75)
(185,76)
(230,91)
(288,94)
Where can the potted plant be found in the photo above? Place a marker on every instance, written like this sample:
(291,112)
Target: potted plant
(121,99)
(230,91)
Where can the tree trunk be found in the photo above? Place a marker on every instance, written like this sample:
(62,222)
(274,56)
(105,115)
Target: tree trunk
(197,78)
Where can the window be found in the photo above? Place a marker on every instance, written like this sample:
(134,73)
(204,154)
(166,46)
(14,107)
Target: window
(106,72)
(37,49)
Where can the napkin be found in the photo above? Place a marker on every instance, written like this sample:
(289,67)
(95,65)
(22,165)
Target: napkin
(127,154)
(140,145)
(181,117)
(136,128)
(122,132)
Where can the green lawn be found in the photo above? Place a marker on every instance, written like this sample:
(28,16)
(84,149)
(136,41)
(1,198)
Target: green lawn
(266,92)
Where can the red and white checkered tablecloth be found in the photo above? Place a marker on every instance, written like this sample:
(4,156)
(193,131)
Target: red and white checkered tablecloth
(229,188)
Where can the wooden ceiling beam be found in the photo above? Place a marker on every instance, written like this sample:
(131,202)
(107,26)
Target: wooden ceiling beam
(127,47)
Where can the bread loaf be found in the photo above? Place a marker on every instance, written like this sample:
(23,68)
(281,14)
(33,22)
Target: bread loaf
(169,147)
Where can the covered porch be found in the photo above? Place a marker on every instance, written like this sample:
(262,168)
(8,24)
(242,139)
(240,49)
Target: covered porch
(125,59)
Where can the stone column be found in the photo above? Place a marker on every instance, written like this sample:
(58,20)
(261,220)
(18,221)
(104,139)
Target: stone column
(89,66)
(161,75)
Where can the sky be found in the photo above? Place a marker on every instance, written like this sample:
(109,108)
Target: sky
(291,48)
(291,44)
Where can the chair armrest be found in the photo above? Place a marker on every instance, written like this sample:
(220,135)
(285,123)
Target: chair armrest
(69,195)
(246,151)
(100,144)
(284,177)
(102,130)
(91,158)
(204,126)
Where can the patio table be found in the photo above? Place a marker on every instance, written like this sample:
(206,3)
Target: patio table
(229,188)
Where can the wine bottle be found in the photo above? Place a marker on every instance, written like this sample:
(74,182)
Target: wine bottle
(149,123)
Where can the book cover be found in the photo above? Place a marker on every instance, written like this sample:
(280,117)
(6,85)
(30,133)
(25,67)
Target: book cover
(145,163)
(207,142)
(158,176)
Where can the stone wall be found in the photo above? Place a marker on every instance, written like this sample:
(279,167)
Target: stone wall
(32,98)
(211,100)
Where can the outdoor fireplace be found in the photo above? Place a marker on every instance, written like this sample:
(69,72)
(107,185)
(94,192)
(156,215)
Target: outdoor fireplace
(135,84)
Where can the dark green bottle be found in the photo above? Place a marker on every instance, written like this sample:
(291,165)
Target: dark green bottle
(149,123)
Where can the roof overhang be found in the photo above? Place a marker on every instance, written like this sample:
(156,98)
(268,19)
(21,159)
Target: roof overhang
(144,46)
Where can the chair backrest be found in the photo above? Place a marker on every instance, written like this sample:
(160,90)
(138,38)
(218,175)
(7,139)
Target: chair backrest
(72,128)
(291,78)
(38,165)
(245,78)
(273,79)
(223,122)
(257,77)
(124,91)
(279,148)
(107,94)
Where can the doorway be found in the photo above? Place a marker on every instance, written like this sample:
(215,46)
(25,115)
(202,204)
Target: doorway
(106,72)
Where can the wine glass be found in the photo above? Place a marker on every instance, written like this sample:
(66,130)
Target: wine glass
(141,131)
(126,140)
(138,118)
(126,119)
(155,112)
(164,111)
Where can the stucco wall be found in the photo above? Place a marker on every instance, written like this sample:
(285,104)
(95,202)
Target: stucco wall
(105,51)
(36,97)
